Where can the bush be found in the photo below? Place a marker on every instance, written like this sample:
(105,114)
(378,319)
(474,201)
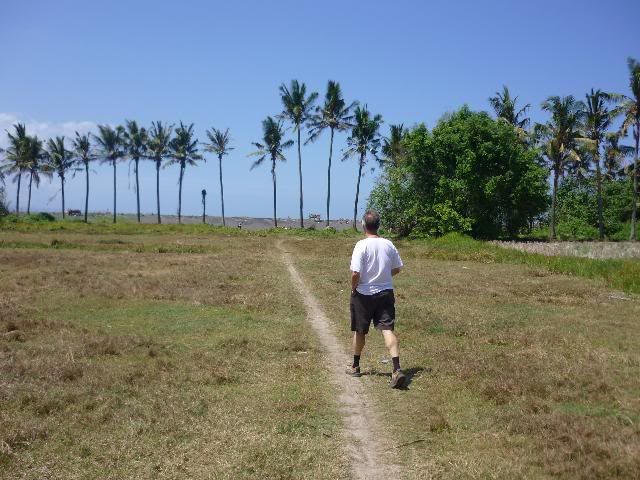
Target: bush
(578,208)
(42,217)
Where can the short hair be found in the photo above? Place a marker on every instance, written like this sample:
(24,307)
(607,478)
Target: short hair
(371,220)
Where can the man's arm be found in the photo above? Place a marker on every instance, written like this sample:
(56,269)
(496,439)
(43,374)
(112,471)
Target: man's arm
(395,271)
(355,280)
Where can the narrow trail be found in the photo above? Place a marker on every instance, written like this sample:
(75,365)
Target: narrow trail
(364,442)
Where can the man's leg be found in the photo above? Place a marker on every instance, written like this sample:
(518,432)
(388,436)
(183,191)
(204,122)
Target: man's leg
(398,379)
(391,342)
(358,344)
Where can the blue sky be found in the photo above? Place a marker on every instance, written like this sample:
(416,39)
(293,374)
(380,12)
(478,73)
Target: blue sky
(74,64)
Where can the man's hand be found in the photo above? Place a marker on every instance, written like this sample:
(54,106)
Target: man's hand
(395,271)
(355,280)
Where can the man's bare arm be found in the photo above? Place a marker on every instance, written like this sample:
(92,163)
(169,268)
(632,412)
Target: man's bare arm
(355,280)
(395,271)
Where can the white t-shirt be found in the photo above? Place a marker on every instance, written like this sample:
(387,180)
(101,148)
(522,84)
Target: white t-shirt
(374,257)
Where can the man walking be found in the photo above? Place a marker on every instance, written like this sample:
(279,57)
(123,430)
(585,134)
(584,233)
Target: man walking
(374,261)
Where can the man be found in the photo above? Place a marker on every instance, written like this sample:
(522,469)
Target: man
(374,261)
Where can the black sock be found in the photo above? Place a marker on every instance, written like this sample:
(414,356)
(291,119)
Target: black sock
(356,361)
(396,363)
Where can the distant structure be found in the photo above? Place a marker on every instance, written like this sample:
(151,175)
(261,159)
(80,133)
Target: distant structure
(74,213)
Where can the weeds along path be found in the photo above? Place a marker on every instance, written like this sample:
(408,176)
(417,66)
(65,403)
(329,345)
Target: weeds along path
(364,442)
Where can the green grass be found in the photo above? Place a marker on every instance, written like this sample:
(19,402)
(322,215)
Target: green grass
(620,274)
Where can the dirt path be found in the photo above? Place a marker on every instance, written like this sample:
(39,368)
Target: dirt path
(365,443)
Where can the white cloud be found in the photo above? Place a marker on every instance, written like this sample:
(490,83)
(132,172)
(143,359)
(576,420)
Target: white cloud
(42,129)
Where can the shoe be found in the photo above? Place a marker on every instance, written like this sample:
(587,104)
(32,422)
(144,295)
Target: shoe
(353,371)
(398,379)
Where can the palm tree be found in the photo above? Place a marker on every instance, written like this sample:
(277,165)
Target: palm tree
(392,147)
(158,148)
(297,109)
(136,145)
(559,138)
(630,109)
(364,140)
(34,156)
(597,119)
(272,147)
(184,151)
(17,158)
(615,154)
(204,205)
(220,146)
(82,151)
(59,160)
(111,144)
(506,108)
(335,115)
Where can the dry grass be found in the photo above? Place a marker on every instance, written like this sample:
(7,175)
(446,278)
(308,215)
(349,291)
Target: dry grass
(578,249)
(144,365)
(517,372)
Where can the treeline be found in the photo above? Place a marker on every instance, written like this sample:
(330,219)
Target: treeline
(489,177)
(27,156)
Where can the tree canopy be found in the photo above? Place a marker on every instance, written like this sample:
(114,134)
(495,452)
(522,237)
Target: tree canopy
(471,173)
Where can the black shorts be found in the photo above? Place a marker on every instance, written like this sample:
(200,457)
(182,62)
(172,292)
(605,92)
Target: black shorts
(379,307)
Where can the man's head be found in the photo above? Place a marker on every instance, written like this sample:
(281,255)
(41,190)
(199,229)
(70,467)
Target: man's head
(371,222)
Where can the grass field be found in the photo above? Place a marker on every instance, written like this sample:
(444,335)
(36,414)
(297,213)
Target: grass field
(170,352)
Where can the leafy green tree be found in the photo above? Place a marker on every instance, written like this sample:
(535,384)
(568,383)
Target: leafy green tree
(364,141)
(84,155)
(630,109)
(470,174)
(158,146)
(184,151)
(34,158)
(110,142)
(335,115)
(59,160)
(506,107)
(136,139)
(272,147)
(219,146)
(559,140)
(17,158)
(597,120)
(298,110)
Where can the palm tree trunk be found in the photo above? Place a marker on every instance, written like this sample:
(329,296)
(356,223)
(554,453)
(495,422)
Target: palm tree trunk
(634,208)
(29,198)
(18,194)
(62,183)
(86,197)
(158,190)
(273,177)
(596,157)
(329,176)
(300,175)
(180,195)
(355,207)
(554,201)
(137,160)
(221,189)
(114,190)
